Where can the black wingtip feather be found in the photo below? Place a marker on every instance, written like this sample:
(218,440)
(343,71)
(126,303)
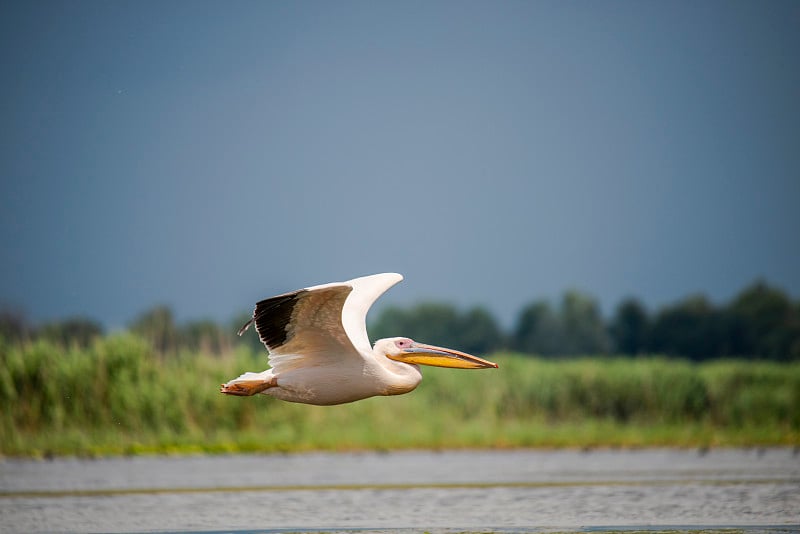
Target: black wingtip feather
(272,317)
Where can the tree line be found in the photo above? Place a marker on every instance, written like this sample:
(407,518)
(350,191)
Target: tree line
(762,321)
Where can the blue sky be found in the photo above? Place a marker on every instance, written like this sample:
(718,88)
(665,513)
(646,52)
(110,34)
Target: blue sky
(208,154)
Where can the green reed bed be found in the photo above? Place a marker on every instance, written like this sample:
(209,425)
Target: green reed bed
(119,397)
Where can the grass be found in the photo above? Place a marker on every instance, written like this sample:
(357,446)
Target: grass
(119,397)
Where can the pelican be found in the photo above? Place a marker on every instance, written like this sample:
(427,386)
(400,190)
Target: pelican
(319,352)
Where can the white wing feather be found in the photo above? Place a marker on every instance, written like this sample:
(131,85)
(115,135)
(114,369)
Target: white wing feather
(329,322)
(366,290)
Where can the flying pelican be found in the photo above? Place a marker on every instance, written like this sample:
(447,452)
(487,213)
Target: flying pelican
(319,351)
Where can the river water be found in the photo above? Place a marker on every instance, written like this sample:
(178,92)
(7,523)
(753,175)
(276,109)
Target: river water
(756,490)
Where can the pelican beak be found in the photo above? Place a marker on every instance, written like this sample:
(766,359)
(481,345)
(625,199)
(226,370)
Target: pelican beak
(423,354)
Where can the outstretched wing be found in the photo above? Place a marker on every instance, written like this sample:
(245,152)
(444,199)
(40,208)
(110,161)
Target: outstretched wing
(312,325)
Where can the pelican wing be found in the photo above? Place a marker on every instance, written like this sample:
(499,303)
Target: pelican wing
(326,321)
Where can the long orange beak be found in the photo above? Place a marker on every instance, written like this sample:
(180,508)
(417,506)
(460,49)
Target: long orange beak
(423,354)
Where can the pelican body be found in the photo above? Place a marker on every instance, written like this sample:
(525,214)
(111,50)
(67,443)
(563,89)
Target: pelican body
(319,352)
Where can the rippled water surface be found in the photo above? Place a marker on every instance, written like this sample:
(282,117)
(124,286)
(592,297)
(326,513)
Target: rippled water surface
(500,491)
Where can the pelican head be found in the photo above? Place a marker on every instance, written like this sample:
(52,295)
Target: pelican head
(405,350)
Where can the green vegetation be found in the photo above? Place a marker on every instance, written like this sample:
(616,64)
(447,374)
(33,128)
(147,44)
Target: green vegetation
(117,395)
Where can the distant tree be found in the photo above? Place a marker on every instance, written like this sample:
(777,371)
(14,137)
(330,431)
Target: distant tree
(78,331)
(584,331)
(689,328)
(206,336)
(157,325)
(538,330)
(441,324)
(629,327)
(794,346)
(389,323)
(771,322)
(14,325)
(730,331)
(432,322)
(479,332)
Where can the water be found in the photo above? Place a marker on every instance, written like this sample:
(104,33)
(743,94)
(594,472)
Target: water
(502,491)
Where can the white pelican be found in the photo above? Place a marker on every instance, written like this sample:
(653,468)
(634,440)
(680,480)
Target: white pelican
(320,353)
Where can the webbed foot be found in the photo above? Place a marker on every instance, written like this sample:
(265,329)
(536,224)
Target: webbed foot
(246,388)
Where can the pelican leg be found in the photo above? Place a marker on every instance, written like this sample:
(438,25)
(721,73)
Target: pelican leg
(245,388)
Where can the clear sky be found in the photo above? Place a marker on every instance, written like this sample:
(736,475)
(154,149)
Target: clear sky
(208,154)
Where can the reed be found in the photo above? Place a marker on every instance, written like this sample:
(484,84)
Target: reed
(118,396)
